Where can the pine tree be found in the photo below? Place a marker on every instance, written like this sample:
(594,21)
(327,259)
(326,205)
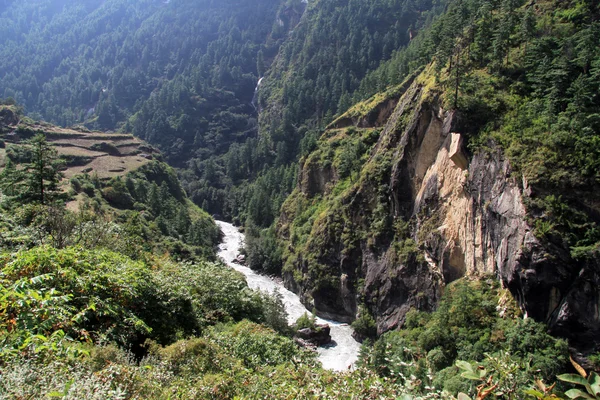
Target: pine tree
(35,181)
(154,199)
(183,221)
(527,30)
(260,63)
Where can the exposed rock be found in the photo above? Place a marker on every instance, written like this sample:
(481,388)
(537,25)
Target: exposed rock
(240,259)
(379,114)
(456,151)
(576,315)
(376,117)
(304,343)
(314,177)
(462,218)
(318,337)
(8,117)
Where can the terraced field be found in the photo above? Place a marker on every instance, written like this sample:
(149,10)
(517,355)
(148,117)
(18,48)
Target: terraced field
(104,154)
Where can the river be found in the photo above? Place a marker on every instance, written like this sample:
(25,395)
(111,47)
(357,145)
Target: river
(343,350)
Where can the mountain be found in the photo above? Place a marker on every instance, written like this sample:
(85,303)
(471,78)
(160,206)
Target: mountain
(425,170)
(472,167)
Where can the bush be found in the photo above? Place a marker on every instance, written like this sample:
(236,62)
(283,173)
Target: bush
(76,184)
(84,293)
(89,189)
(257,346)
(365,326)
(100,295)
(466,326)
(106,148)
(117,197)
(306,321)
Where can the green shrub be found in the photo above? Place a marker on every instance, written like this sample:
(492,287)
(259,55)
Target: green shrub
(257,346)
(466,326)
(84,293)
(365,325)
(118,197)
(106,147)
(76,184)
(88,188)
(100,295)
(306,321)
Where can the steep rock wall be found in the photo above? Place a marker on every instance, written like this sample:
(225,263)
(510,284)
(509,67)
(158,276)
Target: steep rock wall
(421,214)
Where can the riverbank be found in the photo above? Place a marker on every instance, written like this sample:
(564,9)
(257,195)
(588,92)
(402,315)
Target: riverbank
(341,353)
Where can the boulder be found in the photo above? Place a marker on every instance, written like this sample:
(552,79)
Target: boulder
(318,336)
(240,259)
(456,151)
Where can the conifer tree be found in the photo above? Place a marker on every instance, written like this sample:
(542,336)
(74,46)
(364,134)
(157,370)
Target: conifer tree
(37,180)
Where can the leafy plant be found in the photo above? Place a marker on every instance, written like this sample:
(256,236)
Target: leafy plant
(306,321)
(590,382)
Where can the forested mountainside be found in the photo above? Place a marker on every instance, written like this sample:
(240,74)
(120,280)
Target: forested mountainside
(483,163)
(180,75)
(427,170)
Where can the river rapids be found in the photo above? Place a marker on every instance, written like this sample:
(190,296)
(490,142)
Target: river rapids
(341,354)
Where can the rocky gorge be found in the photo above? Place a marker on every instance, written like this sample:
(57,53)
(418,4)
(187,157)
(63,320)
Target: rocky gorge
(420,211)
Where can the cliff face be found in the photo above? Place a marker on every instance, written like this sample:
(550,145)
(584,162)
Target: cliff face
(418,213)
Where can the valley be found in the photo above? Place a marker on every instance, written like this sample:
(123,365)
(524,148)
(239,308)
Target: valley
(341,354)
(423,172)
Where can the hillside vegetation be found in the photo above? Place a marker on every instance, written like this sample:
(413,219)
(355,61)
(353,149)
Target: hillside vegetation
(425,170)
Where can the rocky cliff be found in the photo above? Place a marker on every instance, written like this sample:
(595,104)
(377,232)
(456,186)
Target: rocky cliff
(417,211)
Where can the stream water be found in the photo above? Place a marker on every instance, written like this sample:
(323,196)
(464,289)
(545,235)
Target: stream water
(341,354)
(255,97)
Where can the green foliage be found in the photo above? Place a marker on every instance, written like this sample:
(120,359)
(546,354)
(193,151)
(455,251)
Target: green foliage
(36,176)
(349,160)
(257,346)
(85,294)
(155,212)
(466,329)
(196,368)
(306,321)
(502,376)
(263,251)
(100,295)
(591,385)
(365,325)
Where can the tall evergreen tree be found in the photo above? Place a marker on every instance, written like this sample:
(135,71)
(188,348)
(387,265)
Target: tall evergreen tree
(35,181)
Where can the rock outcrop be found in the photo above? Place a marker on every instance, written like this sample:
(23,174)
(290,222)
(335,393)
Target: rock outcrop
(421,214)
(8,118)
(319,336)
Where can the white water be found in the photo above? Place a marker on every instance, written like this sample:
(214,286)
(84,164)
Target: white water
(341,354)
(254,98)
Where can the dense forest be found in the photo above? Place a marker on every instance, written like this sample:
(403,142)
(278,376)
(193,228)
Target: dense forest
(183,77)
(287,117)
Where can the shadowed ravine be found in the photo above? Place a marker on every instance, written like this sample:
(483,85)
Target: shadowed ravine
(343,351)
